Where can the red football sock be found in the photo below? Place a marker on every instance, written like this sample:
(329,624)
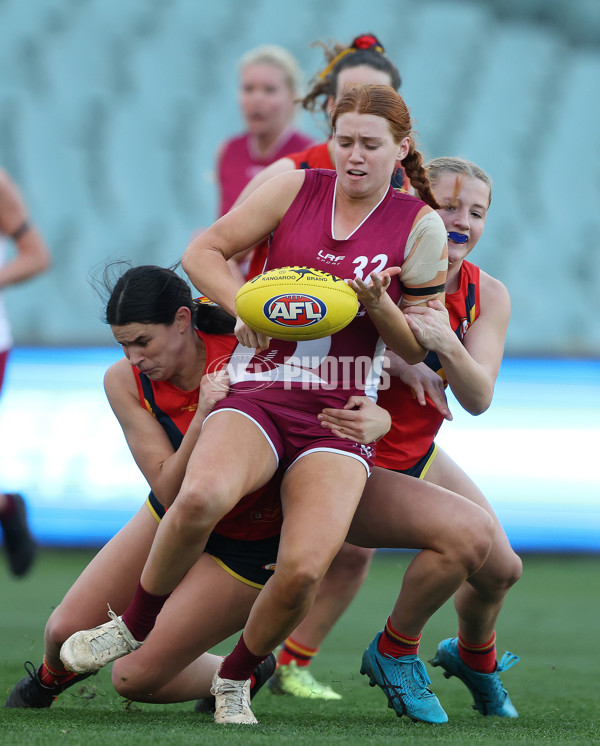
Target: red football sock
(395,644)
(293,651)
(51,678)
(239,665)
(141,613)
(481,658)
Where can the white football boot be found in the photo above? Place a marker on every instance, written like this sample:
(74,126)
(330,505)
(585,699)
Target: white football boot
(232,701)
(91,649)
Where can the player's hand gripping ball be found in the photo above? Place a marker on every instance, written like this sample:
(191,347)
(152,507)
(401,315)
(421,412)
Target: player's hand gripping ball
(296,303)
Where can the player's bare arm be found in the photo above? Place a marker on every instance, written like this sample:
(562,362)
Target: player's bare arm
(162,467)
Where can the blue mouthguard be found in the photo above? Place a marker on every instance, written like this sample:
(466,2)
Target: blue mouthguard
(458,237)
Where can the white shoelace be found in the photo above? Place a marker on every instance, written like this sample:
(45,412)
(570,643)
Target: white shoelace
(237,699)
(108,639)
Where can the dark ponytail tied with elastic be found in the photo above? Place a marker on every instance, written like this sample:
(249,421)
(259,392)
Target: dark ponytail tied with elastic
(210,318)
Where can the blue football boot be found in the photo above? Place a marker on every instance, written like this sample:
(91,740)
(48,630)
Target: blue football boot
(404,682)
(489,696)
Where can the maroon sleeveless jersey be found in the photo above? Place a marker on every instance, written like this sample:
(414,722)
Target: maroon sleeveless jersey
(338,366)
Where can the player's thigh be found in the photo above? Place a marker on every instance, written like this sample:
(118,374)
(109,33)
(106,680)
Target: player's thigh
(319,495)
(399,511)
(207,607)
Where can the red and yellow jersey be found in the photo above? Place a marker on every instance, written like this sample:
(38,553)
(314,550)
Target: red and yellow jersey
(257,515)
(414,427)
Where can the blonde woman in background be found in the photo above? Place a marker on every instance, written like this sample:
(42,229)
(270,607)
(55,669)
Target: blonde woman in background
(269,87)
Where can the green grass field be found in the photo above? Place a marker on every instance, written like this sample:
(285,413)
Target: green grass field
(550,619)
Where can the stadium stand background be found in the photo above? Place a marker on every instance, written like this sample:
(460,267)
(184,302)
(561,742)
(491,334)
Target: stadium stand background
(111,111)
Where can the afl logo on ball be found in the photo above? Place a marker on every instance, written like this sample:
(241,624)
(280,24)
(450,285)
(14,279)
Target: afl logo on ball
(294,310)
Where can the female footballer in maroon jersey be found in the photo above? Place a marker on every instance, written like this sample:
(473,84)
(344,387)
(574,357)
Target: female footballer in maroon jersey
(410,446)
(269,88)
(364,60)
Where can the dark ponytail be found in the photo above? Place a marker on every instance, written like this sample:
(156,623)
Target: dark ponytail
(212,319)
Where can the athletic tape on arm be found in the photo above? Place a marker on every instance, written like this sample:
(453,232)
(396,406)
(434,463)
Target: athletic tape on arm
(425,247)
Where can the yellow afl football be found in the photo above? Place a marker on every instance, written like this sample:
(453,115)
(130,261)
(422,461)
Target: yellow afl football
(296,303)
